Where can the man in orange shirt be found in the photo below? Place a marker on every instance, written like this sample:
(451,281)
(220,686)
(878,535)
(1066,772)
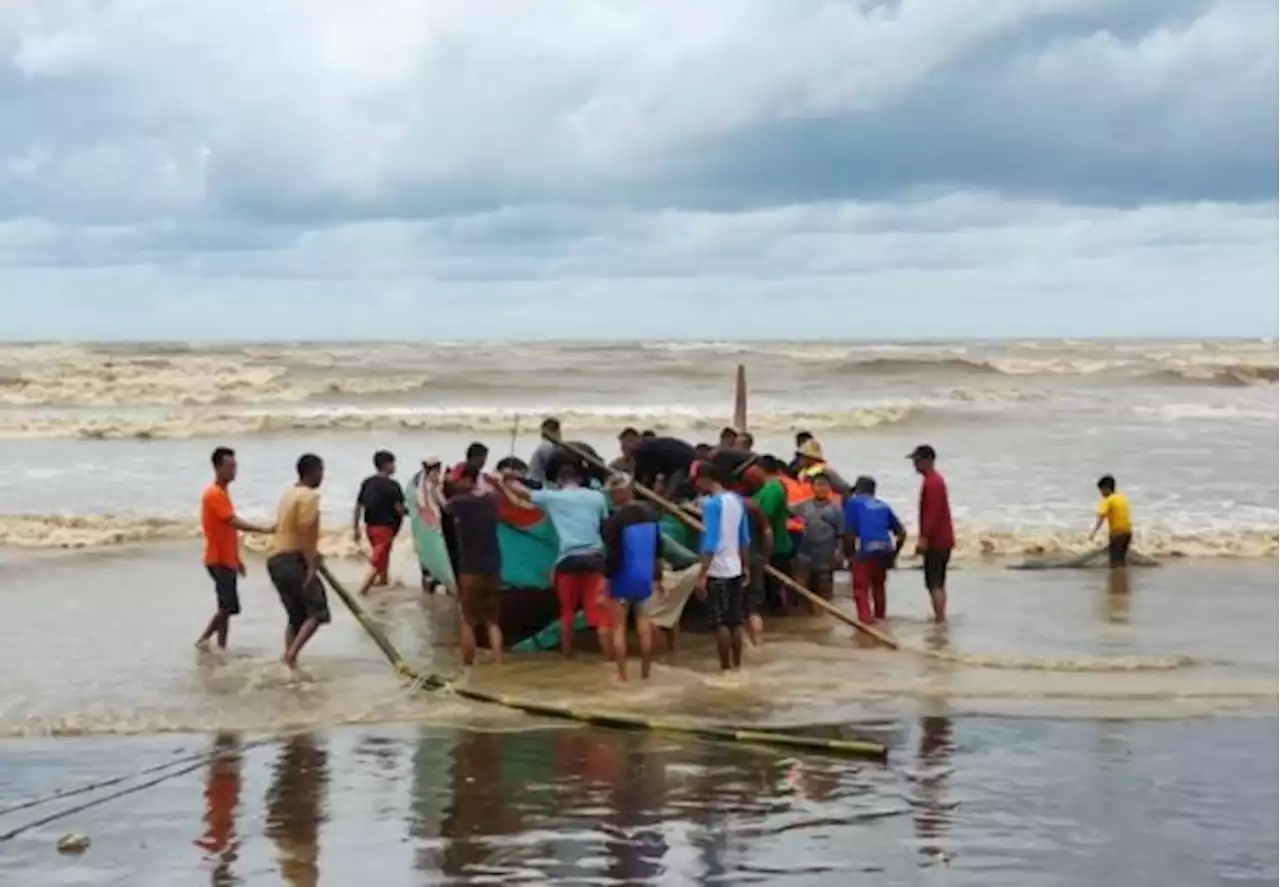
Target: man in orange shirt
(222,544)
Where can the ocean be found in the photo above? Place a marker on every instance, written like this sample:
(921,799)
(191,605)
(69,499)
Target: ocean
(1085,728)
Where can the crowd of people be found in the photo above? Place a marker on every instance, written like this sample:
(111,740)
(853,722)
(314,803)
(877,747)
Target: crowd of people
(766,528)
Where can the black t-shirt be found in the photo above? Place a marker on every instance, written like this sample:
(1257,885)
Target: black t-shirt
(560,457)
(383,502)
(476,522)
(614,530)
(662,455)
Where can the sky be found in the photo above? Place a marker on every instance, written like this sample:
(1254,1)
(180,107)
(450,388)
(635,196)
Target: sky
(446,169)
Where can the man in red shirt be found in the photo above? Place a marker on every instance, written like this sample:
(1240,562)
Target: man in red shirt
(937,535)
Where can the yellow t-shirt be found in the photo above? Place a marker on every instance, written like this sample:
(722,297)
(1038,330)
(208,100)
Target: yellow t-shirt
(297,520)
(1115,508)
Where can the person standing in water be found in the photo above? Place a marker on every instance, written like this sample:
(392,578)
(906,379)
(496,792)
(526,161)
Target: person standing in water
(873,538)
(752,478)
(633,569)
(937,535)
(381,501)
(815,559)
(475,515)
(222,561)
(770,498)
(295,558)
(577,513)
(724,552)
(1114,510)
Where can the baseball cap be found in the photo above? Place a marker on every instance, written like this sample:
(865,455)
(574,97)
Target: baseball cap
(924,451)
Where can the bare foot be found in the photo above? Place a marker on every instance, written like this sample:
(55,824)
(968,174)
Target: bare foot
(203,645)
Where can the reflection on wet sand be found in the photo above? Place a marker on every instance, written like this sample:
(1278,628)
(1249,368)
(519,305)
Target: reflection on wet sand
(1117,601)
(296,808)
(220,841)
(597,801)
(932,806)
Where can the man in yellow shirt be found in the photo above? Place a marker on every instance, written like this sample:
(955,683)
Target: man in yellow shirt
(1114,509)
(294,558)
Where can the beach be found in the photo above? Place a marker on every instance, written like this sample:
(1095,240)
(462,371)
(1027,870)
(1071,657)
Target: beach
(1082,727)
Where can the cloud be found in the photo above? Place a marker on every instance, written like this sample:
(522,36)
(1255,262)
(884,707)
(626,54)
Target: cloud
(588,154)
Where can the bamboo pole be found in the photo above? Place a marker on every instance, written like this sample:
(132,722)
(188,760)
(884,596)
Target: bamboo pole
(615,720)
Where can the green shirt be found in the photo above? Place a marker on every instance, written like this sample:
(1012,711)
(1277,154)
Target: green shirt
(772,500)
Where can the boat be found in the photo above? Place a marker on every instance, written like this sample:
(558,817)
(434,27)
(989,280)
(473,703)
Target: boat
(530,612)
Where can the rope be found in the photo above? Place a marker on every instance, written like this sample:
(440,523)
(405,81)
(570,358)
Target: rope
(855,748)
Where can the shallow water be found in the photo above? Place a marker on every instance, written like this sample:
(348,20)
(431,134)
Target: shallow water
(963,801)
(1136,745)
(1184,640)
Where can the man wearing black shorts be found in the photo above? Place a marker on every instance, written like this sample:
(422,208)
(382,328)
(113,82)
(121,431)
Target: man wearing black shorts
(295,558)
(937,535)
(724,551)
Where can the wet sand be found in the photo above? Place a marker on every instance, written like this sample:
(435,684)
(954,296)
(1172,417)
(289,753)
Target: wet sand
(1134,744)
(964,801)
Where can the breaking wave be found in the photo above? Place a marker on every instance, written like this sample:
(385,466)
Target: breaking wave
(189,375)
(444,419)
(54,531)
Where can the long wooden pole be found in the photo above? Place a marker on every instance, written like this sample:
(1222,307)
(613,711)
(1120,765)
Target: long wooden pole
(616,720)
(673,509)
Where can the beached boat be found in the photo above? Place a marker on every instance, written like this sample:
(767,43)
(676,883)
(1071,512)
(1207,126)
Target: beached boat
(528,544)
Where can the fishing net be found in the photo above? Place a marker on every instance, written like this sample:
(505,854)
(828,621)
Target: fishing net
(1088,560)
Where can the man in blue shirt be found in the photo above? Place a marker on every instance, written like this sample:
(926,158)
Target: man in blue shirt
(577,513)
(725,554)
(633,568)
(873,538)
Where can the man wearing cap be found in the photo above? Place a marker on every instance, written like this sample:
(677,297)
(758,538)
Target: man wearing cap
(812,462)
(937,536)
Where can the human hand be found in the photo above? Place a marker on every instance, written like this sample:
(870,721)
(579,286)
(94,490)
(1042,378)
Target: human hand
(241,569)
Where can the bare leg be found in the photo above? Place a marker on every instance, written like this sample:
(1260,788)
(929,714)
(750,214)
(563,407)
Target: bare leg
(735,646)
(495,641)
(604,633)
(618,636)
(938,597)
(644,630)
(368,582)
(755,629)
(724,646)
(217,625)
(669,638)
(467,642)
(300,640)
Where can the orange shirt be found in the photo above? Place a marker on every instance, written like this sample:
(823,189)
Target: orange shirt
(797,492)
(221,541)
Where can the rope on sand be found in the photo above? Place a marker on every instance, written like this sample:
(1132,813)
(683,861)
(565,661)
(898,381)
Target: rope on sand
(845,747)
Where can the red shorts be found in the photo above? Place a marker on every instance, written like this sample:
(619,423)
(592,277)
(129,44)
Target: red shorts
(380,541)
(581,590)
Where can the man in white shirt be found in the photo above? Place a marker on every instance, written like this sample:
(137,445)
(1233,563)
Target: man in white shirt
(724,550)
